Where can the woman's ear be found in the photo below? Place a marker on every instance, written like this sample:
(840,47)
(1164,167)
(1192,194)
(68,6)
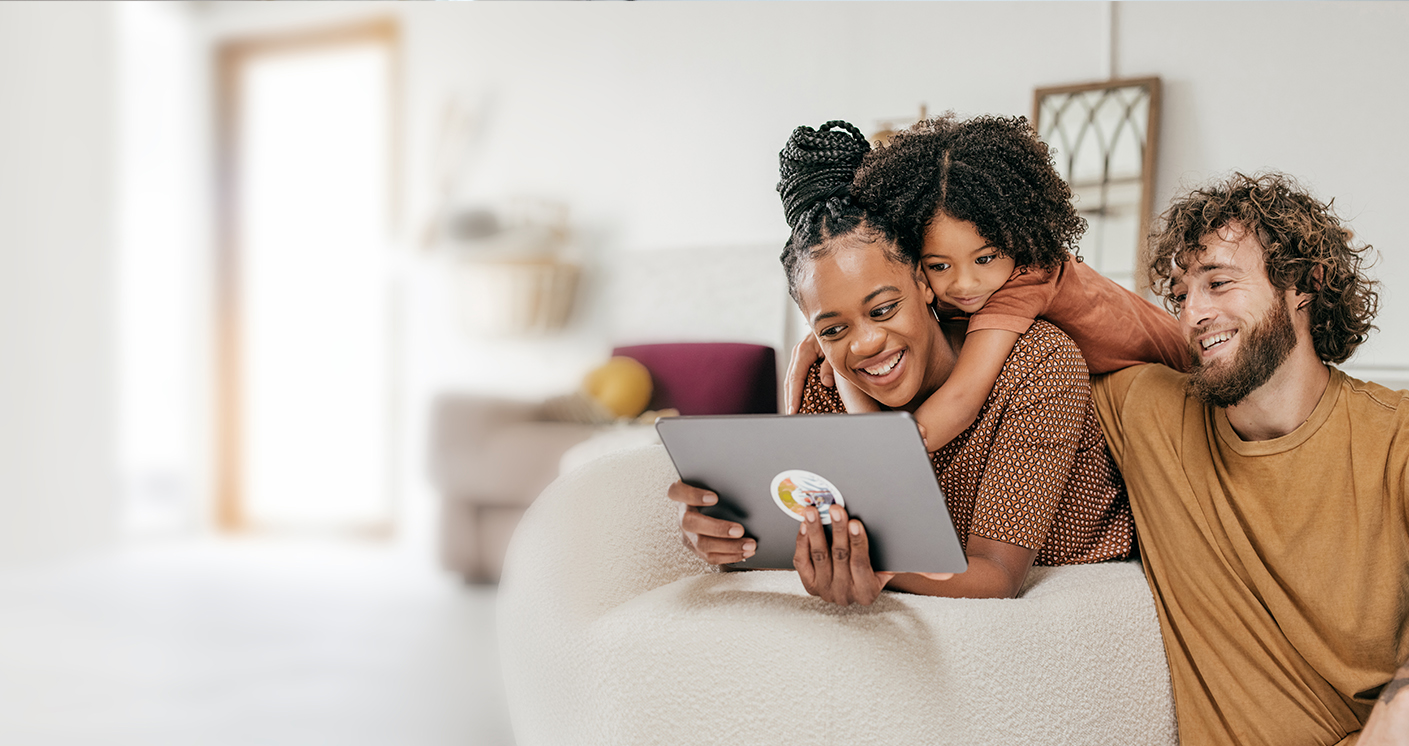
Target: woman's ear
(924,283)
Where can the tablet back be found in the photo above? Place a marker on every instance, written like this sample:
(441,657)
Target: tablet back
(766,467)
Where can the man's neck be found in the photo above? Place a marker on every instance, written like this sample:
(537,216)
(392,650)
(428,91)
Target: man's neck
(1282,404)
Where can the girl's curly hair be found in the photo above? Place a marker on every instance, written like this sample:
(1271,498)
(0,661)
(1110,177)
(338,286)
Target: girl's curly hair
(993,172)
(1304,246)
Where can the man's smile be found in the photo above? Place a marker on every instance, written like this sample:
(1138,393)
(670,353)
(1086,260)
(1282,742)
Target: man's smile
(1214,341)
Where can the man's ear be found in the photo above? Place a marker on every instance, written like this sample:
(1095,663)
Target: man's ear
(1318,278)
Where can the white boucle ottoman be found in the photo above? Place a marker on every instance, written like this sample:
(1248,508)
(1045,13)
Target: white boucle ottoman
(611,632)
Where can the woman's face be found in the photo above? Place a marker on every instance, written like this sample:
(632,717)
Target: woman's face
(962,267)
(871,315)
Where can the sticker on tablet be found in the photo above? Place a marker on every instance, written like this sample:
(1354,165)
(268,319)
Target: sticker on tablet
(793,490)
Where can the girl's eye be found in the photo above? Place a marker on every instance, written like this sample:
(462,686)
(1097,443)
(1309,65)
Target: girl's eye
(985,259)
(938,267)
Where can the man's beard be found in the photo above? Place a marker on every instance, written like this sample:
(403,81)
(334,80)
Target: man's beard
(1261,352)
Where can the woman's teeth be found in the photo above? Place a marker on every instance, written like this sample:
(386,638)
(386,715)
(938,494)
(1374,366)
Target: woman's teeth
(885,367)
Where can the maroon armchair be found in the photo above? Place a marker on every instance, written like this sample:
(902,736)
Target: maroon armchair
(490,458)
(709,378)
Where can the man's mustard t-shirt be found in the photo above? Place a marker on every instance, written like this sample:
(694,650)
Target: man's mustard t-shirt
(1280,568)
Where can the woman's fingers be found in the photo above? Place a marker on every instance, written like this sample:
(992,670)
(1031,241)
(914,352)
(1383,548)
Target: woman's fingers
(696,522)
(826,375)
(866,583)
(843,587)
(841,573)
(690,495)
(724,551)
(802,560)
(714,540)
(818,553)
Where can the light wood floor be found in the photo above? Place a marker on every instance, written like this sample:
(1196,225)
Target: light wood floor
(249,643)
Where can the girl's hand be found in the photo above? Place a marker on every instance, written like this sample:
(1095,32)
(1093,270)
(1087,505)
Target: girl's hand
(804,355)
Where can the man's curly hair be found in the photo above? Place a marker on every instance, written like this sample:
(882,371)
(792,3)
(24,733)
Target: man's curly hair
(1303,244)
(993,172)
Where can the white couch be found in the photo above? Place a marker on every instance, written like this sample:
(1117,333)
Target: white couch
(611,632)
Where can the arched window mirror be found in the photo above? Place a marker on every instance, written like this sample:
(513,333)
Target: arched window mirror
(1105,136)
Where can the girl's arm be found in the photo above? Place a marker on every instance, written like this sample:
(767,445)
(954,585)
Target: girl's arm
(856,400)
(950,410)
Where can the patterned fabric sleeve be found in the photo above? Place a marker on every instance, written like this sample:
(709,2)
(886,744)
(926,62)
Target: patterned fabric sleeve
(1047,392)
(818,399)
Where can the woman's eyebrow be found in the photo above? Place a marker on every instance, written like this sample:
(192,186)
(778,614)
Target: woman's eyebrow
(867,299)
(880,290)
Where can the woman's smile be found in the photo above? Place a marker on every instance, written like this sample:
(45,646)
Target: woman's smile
(883,369)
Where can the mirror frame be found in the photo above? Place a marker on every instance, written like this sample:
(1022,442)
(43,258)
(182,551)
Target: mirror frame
(1147,186)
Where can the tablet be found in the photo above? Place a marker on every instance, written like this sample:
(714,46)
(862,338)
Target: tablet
(766,468)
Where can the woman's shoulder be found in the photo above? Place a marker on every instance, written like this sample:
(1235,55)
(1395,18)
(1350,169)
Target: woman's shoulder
(818,398)
(1042,342)
(1044,361)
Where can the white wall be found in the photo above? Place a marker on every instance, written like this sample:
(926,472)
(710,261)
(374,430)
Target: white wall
(1312,89)
(659,123)
(57,452)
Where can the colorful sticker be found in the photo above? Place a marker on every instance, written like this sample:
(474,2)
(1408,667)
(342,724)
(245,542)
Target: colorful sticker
(793,490)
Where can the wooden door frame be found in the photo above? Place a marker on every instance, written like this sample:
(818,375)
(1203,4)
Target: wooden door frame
(231,57)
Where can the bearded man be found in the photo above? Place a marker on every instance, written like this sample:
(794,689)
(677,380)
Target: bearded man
(1268,487)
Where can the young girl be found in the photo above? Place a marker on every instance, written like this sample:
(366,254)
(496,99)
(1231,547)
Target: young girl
(979,205)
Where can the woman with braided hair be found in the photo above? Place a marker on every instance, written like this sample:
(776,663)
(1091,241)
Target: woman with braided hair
(1029,482)
(978,204)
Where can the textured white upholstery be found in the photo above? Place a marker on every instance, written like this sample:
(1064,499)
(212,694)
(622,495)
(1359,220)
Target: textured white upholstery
(611,632)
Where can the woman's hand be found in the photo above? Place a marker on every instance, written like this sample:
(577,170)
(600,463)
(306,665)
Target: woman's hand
(713,540)
(805,353)
(841,574)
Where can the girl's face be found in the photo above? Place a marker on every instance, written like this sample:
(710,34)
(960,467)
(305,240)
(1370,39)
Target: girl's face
(962,267)
(871,315)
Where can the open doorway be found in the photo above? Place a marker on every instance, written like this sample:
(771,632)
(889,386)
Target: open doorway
(304,421)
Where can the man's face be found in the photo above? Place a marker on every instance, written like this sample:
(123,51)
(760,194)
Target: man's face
(1238,325)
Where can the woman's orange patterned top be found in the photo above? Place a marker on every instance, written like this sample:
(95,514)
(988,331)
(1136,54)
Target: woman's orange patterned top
(1033,468)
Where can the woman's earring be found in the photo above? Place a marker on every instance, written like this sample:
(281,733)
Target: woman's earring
(933,312)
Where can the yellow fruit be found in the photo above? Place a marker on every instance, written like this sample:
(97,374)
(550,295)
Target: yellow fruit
(622,385)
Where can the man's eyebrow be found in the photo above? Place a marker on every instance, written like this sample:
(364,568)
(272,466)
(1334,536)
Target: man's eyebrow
(1205,268)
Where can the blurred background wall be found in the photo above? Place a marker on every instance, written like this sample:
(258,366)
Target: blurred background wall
(655,126)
